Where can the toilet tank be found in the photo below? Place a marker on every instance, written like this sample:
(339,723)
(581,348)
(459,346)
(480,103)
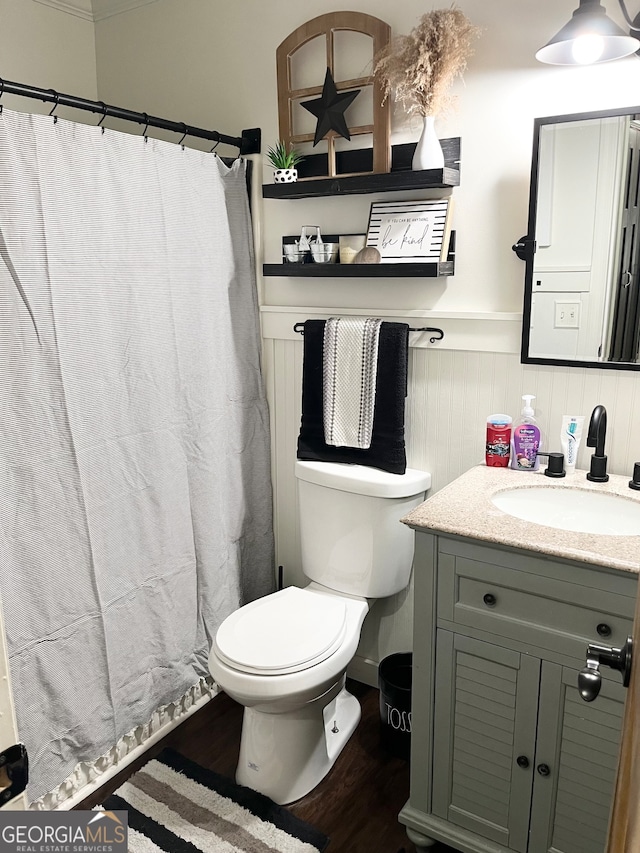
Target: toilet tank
(351,537)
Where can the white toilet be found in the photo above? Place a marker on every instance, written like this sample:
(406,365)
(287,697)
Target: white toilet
(284,656)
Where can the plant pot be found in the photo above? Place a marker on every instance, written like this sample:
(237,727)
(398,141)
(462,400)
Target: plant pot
(285,176)
(428,153)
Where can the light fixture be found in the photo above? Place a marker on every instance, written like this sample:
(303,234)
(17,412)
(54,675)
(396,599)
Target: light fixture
(590,37)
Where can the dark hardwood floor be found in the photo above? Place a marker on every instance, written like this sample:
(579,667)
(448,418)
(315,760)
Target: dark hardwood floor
(356,805)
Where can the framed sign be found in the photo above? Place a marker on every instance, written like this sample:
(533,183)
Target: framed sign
(410,231)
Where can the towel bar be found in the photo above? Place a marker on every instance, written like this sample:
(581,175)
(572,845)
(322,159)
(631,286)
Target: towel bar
(299,328)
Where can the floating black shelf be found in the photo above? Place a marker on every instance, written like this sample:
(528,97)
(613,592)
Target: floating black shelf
(360,184)
(420,270)
(401,177)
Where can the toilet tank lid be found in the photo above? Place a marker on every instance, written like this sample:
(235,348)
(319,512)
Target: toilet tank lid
(364,480)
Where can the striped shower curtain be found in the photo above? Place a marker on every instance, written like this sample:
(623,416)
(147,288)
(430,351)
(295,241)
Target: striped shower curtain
(135,497)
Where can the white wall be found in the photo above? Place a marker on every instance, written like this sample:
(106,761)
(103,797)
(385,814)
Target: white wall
(206,64)
(214,66)
(44,46)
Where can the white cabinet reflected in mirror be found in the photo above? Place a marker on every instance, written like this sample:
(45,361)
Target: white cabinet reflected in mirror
(581,303)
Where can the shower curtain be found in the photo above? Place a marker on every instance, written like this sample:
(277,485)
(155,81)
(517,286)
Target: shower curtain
(135,496)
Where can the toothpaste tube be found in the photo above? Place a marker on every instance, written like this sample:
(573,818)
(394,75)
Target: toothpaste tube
(570,436)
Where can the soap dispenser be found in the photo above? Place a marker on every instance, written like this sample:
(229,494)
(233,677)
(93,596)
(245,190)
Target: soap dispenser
(525,441)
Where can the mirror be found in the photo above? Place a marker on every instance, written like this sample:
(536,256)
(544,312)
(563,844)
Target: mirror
(582,275)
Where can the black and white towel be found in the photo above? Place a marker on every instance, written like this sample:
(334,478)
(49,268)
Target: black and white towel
(349,370)
(387,448)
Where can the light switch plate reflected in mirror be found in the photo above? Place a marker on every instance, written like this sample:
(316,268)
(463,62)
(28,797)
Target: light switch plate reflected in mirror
(567,315)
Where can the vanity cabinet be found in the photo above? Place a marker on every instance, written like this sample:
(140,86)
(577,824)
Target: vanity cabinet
(505,753)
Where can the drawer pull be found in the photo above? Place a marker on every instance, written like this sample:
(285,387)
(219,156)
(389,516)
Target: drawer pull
(544,769)
(489,599)
(604,630)
(522,761)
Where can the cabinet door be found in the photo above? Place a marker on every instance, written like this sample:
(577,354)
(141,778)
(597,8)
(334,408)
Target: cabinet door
(485,720)
(578,741)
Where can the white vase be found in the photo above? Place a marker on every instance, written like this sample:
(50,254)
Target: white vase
(428,153)
(285,176)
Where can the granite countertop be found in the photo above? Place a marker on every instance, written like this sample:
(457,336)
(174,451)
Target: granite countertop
(464,508)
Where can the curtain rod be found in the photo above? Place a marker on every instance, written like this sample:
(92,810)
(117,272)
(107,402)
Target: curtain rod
(248,143)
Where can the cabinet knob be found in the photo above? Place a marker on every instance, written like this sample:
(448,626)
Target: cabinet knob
(544,769)
(489,599)
(604,630)
(522,761)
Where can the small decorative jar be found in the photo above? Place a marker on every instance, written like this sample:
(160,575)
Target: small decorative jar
(285,176)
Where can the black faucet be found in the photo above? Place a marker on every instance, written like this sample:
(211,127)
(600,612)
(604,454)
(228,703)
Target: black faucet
(596,438)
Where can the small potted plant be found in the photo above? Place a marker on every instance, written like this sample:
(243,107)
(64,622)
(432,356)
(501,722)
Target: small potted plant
(284,161)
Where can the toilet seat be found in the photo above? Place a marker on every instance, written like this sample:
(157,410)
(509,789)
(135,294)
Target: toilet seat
(288,631)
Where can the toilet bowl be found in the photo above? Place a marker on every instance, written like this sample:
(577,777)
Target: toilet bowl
(284,657)
(298,715)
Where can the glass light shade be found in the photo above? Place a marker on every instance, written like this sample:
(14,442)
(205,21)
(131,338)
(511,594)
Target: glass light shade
(589,37)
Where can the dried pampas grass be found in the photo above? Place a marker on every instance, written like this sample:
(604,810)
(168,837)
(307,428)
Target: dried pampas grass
(419,69)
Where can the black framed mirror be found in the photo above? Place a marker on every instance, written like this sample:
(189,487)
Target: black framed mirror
(582,249)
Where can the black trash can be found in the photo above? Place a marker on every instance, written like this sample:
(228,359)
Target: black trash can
(394,681)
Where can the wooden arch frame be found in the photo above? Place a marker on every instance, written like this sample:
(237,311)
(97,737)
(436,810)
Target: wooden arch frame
(327,25)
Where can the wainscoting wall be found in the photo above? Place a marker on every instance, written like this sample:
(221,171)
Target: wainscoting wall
(453,385)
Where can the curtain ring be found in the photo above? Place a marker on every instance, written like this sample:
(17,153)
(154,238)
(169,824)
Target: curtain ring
(214,147)
(104,115)
(146,127)
(184,135)
(55,106)
(1,93)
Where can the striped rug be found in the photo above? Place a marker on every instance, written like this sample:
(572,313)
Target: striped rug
(176,806)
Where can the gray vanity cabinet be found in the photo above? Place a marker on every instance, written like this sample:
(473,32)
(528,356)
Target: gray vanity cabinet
(505,754)
(580,741)
(485,718)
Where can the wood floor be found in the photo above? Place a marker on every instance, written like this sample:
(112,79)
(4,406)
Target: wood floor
(356,805)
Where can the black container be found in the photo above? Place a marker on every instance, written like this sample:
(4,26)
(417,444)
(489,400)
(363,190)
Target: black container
(394,681)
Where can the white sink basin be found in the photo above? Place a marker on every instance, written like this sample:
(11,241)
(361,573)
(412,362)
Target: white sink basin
(579,510)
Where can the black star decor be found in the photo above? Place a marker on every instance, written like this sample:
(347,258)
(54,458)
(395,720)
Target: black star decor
(330,109)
